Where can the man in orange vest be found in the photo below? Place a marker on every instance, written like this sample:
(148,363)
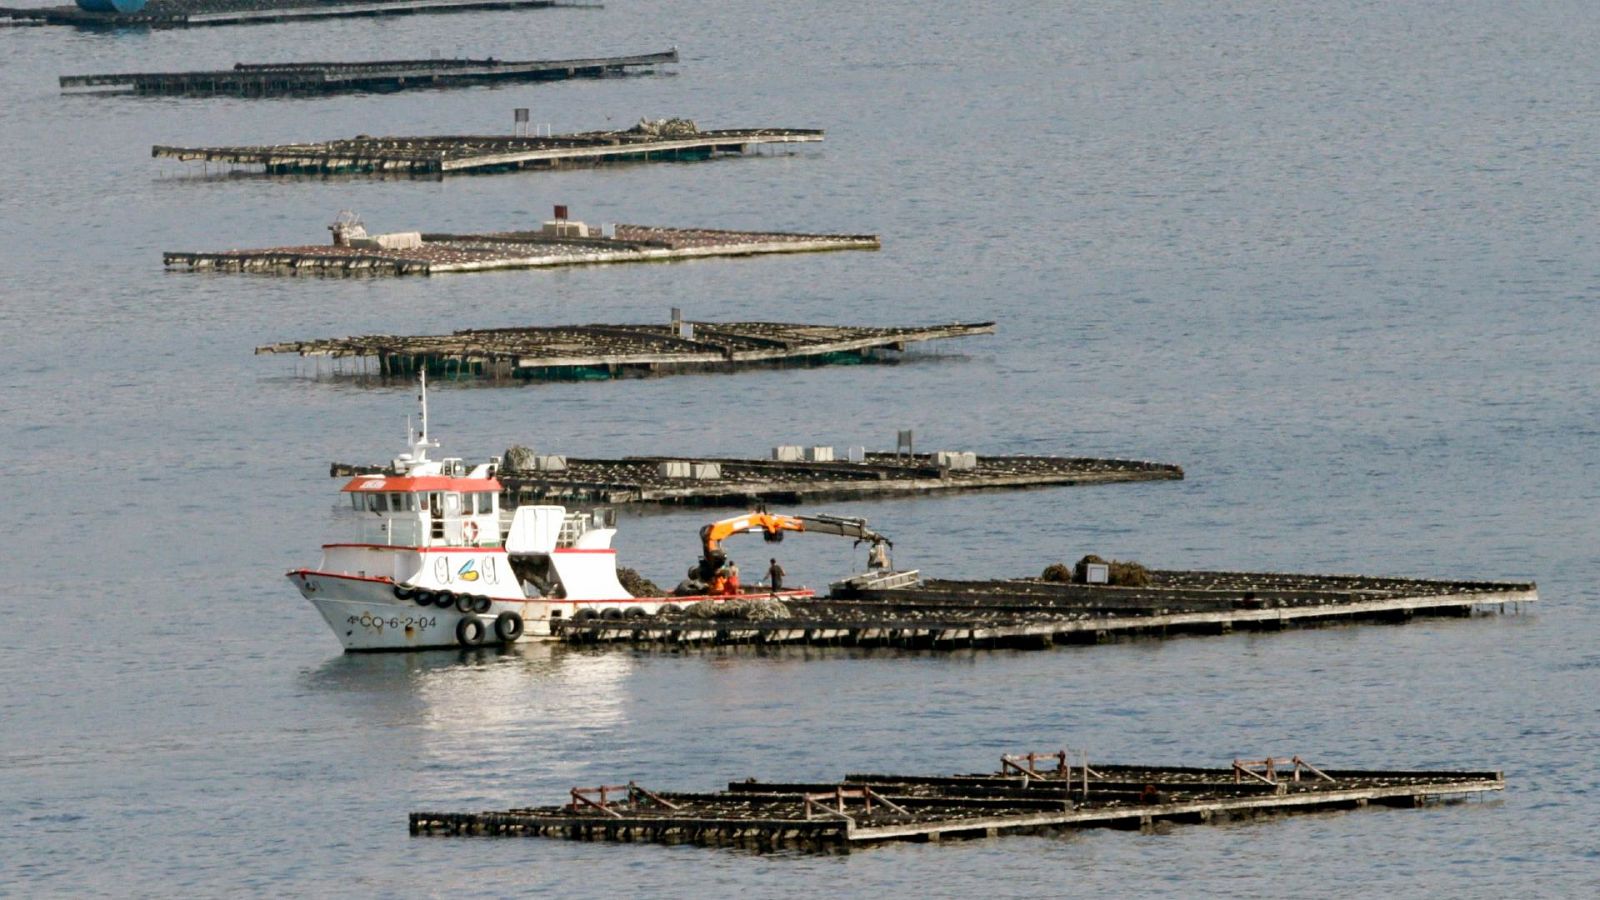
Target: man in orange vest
(732,586)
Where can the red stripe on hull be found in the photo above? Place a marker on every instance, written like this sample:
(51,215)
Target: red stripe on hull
(397,548)
(411,484)
(305,573)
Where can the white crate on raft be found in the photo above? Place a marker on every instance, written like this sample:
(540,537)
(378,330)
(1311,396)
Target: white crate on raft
(955,459)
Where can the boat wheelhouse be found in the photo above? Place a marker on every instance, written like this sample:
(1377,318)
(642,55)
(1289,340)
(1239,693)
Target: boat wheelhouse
(434,561)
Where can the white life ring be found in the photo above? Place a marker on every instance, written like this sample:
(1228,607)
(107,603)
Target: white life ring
(469,532)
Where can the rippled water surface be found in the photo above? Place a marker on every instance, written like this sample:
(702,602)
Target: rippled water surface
(1336,259)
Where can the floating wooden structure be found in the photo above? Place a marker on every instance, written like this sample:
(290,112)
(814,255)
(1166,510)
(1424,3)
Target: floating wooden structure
(613,351)
(439,155)
(1031,793)
(197,13)
(741,482)
(275,79)
(1033,613)
(439,253)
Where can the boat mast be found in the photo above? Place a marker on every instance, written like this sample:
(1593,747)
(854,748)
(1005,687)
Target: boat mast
(420,443)
(422,400)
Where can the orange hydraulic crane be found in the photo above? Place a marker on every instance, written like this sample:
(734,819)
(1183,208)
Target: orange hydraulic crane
(772,527)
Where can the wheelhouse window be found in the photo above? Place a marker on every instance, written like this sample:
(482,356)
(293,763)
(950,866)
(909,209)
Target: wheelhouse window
(485,501)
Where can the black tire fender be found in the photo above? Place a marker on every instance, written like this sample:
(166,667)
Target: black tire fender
(465,603)
(481,603)
(611,613)
(634,612)
(444,599)
(584,615)
(508,627)
(422,597)
(470,631)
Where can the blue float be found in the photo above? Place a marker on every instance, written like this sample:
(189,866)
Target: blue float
(111,6)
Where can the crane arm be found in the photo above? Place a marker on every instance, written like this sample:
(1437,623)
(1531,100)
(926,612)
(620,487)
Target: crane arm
(844,527)
(712,536)
(773,526)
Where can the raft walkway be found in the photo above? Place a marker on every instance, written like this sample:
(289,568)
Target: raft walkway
(441,253)
(1030,793)
(276,79)
(1037,614)
(440,155)
(612,351)
(718,481)
(197,13)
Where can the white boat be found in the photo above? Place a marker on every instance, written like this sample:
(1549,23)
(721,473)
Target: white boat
(435,562)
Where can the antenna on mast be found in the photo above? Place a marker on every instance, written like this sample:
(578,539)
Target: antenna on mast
(422,399)
(419,442)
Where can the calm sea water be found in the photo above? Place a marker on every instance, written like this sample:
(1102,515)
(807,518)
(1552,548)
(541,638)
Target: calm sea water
(1336,259)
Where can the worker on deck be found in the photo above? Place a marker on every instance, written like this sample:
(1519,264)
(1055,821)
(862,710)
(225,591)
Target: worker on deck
(732,583)
(775,575)
(717,582)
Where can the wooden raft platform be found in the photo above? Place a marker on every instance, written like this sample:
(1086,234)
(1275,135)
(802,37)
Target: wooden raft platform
(439,155)
(741,482)
(198,13)
(275,79)
(612,351)
(1036,614)
(442,253)
(1033,793)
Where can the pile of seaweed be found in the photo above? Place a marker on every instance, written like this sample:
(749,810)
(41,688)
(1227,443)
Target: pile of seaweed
(1123,574)
(637,584)
(666,127)
(752,609)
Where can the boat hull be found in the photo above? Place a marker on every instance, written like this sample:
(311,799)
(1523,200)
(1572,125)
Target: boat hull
(364,614)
